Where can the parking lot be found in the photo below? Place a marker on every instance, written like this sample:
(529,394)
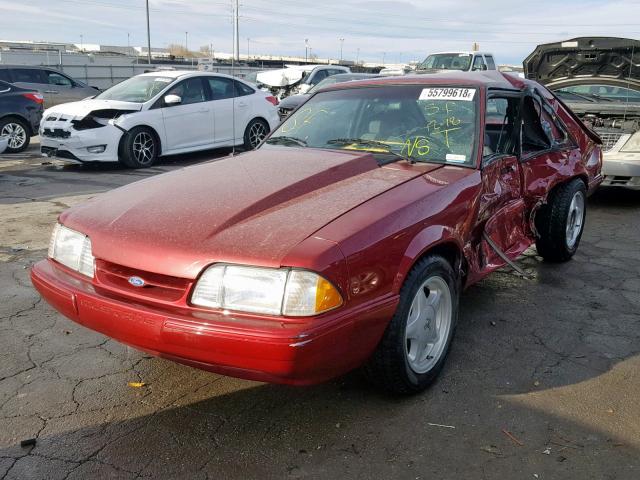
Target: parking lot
(542,382)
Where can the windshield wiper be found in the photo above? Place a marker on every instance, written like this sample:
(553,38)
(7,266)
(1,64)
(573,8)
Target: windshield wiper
(370,143)
(285,140)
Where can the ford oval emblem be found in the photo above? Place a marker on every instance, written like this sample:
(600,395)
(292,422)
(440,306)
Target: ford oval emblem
(136,281)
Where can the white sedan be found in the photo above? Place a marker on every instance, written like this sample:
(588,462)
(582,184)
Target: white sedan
(157,114)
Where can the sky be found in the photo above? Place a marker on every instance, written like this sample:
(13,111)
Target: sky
(375,30)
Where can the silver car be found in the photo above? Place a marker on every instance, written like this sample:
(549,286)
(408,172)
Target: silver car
(598,78)
(55,86)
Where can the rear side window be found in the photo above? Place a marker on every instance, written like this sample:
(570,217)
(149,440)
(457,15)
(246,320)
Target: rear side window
(243,89)
(4,75)
(28,75)
(490,63)
(190,91)
(221,88)
(501,128)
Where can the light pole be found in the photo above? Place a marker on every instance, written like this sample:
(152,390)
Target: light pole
(248,40)
(357,56)
(306,50)
(128,43)
(341,44)
(148,36)
(81,43)
(186,42)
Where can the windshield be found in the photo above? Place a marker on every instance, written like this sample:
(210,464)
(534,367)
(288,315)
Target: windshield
(607,92)
(447,61)
(327,81)
(136,89)
(425,124)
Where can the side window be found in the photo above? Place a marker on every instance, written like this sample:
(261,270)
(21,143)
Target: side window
(491,65)
(54,78)
(221,88)
(478,63)
(28,75)
(319,76)
(243,89)
(4,75)
(534,136)
(190,90)
(500,128)
(552,127)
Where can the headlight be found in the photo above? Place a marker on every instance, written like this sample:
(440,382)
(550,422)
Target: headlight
(272,291)
(72,249)
(632,144)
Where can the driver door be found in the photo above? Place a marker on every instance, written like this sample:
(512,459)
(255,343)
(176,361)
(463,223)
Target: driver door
(502,210)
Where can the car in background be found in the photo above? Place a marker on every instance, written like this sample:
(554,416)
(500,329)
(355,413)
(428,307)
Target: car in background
(599,79)
(55,86)
(345,239)
(156,114)
(289,104)
(296,79)
(462,61)
(20,114)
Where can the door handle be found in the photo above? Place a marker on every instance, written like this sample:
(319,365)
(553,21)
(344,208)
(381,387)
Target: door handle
(51,91)
(242,104)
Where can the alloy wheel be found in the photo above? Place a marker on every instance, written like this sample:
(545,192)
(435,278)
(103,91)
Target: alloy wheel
(428,324)
(575,219)
(16,133)
(143,148)
(256,133)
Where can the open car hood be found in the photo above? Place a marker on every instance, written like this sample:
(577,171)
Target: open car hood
(586,60)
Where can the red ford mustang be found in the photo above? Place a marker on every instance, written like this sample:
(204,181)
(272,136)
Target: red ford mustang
(344,240)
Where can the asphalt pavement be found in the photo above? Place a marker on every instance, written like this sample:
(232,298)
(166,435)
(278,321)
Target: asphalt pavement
(543,379)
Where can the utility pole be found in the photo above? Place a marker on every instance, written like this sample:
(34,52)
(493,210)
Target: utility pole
(148,36)
(236,32)
(341,44)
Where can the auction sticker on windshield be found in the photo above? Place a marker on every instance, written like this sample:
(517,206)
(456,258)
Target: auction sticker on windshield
(447,94)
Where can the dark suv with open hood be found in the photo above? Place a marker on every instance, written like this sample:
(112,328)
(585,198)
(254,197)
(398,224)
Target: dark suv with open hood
(599,79)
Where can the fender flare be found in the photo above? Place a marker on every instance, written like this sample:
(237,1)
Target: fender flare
(426,240)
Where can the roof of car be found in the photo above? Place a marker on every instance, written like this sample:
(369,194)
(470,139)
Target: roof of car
(486,79)
(185,73)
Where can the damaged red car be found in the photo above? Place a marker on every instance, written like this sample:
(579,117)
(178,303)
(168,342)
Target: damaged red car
(345,240)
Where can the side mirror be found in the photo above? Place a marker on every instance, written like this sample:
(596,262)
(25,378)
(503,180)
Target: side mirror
(171,100)
(483,67)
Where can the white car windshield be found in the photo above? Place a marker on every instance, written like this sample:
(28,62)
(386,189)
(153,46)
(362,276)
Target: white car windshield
(447,61)
(138,89)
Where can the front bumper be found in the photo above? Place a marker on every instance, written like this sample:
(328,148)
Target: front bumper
(303,352)
(621,169)
(74,147)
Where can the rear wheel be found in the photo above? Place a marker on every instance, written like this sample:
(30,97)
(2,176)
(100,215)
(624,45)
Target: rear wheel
(416,343)
(139,148)
(560,223)
(255,133)
(17,132)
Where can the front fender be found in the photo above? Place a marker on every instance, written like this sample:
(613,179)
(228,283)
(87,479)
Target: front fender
(431,237)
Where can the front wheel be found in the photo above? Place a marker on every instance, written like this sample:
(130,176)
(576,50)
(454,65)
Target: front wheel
(139,148)
(255,133)
(560,223)
(416,343)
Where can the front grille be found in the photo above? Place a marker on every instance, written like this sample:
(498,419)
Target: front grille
(609,139)
(56,133)
(157,287)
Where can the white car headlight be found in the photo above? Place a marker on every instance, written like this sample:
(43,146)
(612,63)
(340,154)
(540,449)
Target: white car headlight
(272,291)
(72,249)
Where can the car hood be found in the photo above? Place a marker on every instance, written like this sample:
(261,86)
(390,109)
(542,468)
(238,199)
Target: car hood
(585,60)
(253,208)
(82,108)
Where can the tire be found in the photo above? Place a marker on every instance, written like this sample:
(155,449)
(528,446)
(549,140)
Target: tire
(560,222)
(255,133)
(18,132)
(405,362)
(139,148)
